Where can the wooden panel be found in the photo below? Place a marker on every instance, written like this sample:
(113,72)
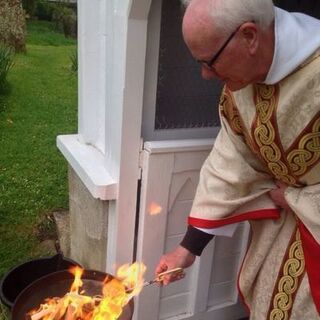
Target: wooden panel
(225,269)
(228,256)
(221,293)
(201,276)
(186,181)
(230,311)
(156,176)
(177,216)
(226,246)
(208,291)
(174,306)
(189,161)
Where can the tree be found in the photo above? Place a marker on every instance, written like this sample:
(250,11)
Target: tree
(12,24)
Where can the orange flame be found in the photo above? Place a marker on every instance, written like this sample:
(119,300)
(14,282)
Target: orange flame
(116,293)
(77,283)
(132,277)
(154,209)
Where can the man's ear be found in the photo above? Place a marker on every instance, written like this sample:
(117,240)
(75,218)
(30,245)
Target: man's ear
(249,32)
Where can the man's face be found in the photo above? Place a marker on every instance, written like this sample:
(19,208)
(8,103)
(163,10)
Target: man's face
(223,57)
(231,67)
(229,57)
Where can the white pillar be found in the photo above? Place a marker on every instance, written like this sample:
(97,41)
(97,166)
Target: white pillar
(105,152)
(92,41)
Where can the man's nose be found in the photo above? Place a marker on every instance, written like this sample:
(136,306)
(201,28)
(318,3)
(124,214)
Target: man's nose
(208,74)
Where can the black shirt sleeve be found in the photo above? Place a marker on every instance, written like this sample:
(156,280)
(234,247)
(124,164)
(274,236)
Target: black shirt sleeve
(195,240)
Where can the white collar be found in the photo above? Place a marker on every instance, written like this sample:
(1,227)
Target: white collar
(296,39)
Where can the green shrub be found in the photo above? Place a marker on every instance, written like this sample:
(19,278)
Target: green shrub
(44,10)
(6,62)
(29,6)
(70,24)
(63,15)
(12,24)
(65,20)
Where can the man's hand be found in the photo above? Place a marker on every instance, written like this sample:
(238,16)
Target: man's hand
(277,195)
(179,258)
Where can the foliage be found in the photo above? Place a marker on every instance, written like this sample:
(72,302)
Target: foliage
(65,20)
(4,312)
(74,62)
(44,10)
(6,62)
(33,174)
(62,13)
(29,6)
(12,24)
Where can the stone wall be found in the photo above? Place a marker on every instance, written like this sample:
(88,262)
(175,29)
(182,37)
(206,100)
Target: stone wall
(88,225)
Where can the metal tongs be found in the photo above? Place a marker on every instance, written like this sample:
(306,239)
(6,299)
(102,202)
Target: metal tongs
(159,278)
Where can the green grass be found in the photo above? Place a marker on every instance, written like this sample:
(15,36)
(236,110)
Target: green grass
(44,33)
(40,104)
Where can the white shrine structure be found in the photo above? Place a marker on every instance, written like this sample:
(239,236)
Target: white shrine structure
(118,169)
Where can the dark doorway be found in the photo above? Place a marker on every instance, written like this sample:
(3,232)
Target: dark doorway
(310,7)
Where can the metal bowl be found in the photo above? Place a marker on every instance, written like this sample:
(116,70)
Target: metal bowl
(57,284)
(19,277)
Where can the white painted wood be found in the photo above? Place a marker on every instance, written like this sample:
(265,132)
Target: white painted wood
(88,162)
(112,47)
(156,176)
(186,180)
(92,76)
(199,297)
(140,10)
(179,145)
(123,134)
(169,178)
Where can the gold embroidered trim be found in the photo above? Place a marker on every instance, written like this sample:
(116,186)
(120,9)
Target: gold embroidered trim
(230,112)
(308,152)
(265,142)
(265,134)
(289,282)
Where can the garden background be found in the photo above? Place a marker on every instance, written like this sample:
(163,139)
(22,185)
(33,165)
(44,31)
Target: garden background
(38,101)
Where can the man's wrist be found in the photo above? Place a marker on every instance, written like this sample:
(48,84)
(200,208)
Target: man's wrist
(195,240)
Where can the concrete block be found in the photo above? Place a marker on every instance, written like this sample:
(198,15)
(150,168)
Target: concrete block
(88,225)
(62,220)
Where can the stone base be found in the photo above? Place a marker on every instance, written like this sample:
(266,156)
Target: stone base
(62,220)
(88,225)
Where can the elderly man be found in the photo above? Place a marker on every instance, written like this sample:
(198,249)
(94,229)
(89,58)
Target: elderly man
(265,165)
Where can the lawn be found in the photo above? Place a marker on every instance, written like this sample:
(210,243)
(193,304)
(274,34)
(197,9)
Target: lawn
(41,103)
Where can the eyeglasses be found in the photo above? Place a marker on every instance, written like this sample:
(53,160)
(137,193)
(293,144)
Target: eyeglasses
(209,64)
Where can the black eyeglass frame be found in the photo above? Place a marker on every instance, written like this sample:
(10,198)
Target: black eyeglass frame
(209,64)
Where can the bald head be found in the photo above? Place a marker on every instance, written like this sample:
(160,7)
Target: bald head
(197,25)
(227,14)
(243,30)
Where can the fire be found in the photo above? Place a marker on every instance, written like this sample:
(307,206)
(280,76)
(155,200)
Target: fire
(116,293)
(154,209)
(132,277)
(77,283)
